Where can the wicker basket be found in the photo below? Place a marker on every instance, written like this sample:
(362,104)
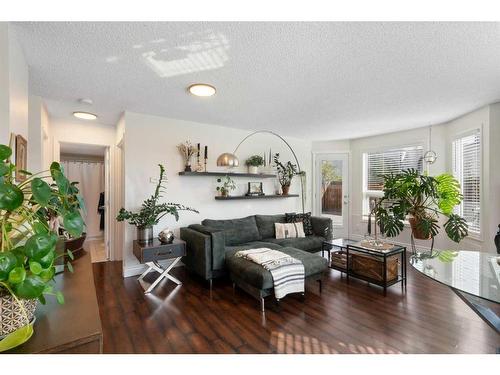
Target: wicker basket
(12,316)
(373,267)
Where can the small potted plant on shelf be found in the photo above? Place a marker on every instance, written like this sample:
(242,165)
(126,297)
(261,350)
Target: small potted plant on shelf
(253,163)
(152,211)
(285,173)
(187,151)
(422,200)
(28,243)
(227,186)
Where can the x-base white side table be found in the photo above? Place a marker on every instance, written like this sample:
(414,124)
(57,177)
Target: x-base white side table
(152,252)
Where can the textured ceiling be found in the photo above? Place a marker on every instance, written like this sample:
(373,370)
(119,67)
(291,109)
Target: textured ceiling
(310,80)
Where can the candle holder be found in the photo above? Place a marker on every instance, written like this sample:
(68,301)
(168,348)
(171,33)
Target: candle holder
(199,167)
(205,163)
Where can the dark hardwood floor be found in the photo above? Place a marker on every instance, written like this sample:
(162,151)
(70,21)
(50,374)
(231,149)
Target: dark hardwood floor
(345,318)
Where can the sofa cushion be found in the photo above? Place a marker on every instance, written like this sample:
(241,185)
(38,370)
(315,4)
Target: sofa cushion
(252,245)
(309,243)
(304,218)
(265,223)
(261,278)
(237,231)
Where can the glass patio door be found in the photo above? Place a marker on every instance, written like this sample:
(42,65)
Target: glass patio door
(332,191)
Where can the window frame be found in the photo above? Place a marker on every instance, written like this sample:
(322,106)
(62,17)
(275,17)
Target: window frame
(366,194)
(473,234)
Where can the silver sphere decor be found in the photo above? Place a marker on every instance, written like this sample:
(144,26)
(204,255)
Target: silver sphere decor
(166,236)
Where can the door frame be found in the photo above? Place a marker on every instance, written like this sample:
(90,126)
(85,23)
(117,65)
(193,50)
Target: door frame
(315,206)
(108,235)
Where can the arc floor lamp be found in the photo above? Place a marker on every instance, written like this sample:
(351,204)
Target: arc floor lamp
(231,160)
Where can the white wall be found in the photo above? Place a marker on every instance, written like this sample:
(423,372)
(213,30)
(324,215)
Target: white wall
(4,84)
(38,134)
(13,86)
(150,140)
(487,118)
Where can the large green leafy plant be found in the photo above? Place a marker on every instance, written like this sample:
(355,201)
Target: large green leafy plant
(424,199)
(29,213)
(152,210)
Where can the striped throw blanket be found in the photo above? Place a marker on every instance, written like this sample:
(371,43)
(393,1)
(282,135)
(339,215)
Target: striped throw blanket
(288,273)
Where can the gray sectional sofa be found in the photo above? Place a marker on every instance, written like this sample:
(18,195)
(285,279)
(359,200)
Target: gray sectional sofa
(213,242)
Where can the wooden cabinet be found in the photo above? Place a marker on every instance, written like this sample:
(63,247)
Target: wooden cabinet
(74,327)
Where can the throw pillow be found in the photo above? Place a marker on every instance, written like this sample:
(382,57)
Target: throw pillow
(304,218)
(289,230)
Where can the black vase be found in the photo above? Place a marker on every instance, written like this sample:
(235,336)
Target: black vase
(497,240)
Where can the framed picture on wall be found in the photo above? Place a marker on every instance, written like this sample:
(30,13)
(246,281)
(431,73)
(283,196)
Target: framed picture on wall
(255,188)
(21,157)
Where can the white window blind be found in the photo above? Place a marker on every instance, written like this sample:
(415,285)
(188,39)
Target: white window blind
(391,161)
(466,160)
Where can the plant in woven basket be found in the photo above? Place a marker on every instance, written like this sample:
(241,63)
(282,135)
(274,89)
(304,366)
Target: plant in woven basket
(29,213)
(422,199)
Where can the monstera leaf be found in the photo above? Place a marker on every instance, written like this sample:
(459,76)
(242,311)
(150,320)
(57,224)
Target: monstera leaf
(456,228)
(448,193)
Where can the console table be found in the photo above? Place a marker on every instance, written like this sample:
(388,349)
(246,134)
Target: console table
(74,327)
(152,252)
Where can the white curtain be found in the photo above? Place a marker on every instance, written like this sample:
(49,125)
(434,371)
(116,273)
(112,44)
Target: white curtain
(90,177)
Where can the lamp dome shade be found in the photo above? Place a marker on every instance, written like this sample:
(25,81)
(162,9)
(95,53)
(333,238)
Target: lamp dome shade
(227,160)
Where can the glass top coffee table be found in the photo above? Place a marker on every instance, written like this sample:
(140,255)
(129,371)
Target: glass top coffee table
(473,275)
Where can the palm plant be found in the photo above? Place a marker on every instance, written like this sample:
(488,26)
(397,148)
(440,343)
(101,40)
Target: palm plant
(423,199)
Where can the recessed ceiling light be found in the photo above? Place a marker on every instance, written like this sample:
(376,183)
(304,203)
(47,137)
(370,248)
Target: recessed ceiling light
(202,89)
(85,115)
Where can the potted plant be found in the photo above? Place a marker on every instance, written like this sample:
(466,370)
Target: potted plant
(285,173)
(187,151)
(71,242)
(227,186)
(152,211)
(253,163)
(422,200)
(28,243)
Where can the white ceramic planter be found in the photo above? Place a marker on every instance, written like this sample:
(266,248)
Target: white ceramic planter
(253,170)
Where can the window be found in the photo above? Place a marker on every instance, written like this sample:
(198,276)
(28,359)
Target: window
(466,160)
(379,163)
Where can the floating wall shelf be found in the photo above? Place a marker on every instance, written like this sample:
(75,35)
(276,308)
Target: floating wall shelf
(231,174)
(220,198)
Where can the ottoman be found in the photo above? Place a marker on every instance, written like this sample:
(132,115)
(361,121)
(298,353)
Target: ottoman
(258,282)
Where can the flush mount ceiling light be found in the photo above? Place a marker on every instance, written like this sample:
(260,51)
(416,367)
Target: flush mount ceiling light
(202,89)
(85,115)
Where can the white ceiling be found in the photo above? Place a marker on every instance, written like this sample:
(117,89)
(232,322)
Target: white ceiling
(310,80)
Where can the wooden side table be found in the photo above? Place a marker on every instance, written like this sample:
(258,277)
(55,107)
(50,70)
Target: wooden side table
(152,252)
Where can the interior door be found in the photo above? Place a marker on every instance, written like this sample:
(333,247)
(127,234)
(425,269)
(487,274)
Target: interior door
(332,191)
